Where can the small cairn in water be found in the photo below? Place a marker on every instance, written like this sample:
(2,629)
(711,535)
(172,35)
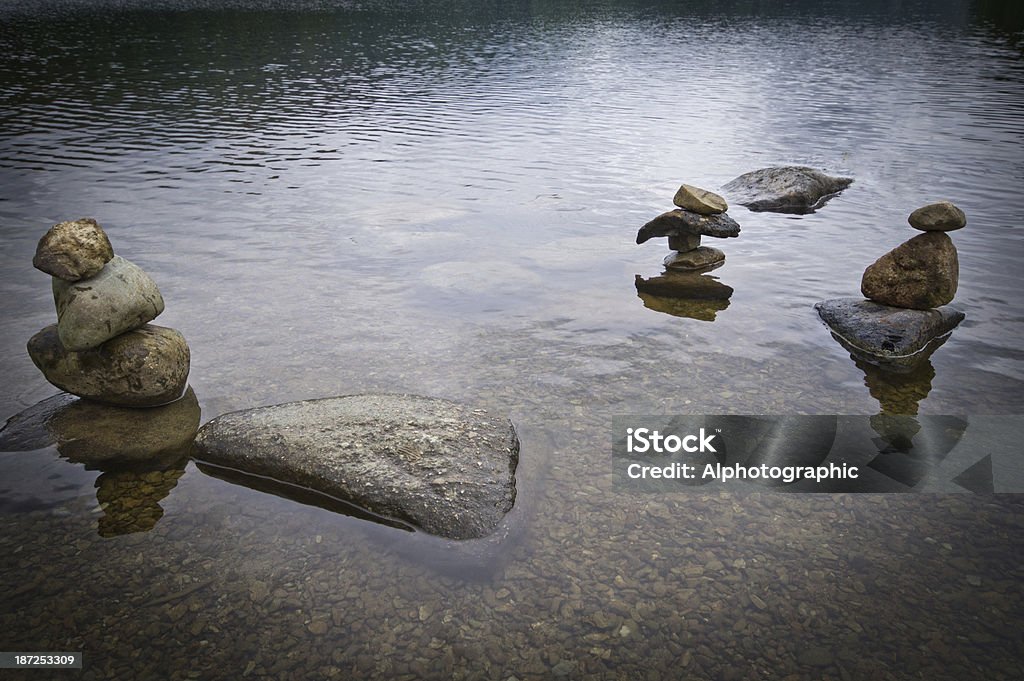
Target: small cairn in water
(907,292)
(700,213)
(102,347)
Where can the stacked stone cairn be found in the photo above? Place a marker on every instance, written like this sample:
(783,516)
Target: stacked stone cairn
(700,213)
(907,292)
(102,347)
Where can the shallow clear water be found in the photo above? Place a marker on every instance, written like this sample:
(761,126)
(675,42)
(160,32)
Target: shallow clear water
(442,198)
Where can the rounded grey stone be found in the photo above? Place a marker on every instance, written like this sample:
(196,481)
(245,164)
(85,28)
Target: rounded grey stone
(145,367)
(942,216)
(73,250)
(121,297)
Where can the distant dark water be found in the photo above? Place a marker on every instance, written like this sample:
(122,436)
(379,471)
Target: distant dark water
(442,198)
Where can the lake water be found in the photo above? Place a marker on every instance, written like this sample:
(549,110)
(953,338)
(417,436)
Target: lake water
(442,199)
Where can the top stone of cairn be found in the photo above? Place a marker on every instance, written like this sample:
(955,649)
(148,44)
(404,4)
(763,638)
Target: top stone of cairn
(73,250)
(943,216)
(699,200)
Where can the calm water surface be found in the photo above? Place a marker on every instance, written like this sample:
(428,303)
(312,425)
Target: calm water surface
(442,198)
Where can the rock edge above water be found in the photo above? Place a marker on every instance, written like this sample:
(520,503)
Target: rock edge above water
(785,189)
(886,333)
(445,468)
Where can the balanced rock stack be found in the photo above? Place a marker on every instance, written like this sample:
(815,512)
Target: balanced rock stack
(908,290)
(700,213)
(102,347)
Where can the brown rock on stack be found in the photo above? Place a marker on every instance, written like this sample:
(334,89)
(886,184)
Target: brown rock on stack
(923,272)
(700,213)
(102,347)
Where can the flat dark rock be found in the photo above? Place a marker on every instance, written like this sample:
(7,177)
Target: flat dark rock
(679,222)
(884,332)
(438,466)
(786,189)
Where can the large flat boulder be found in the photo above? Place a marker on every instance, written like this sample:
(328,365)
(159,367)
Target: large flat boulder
(445,468)
(882,332)
(785,189)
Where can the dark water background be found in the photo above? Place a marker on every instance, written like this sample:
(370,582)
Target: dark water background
(442,198)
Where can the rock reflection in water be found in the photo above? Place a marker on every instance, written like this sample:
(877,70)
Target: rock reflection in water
(141,453)
(696,295)
(93,433)
(130,499)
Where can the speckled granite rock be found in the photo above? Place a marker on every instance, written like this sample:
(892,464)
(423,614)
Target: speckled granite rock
(442,467)
(786,189)
(920,274)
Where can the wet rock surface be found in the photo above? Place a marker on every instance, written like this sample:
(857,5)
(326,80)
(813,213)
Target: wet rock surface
(442,467)
(92,433)
(786,189)
(142,368)
(699,200)
(121,297)
(884,332)
(942,216)
(919,274)
(73,250)
(700,258)
(677,222)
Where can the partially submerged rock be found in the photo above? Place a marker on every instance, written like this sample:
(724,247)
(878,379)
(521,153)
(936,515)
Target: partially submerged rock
(91,433)
(442,467)
(920,273)
(679,222)
(786,189)
(142,368)
(700,258)
(943,216)
(699,200)
(121,297)
(885,334)
(73,250)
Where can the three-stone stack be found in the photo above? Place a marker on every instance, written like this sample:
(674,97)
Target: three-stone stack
(102,347)
(700,213)
(907,292)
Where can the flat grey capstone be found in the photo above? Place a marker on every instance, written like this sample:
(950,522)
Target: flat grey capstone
(681,221)
(445,468)
(785,189)
(886,332)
